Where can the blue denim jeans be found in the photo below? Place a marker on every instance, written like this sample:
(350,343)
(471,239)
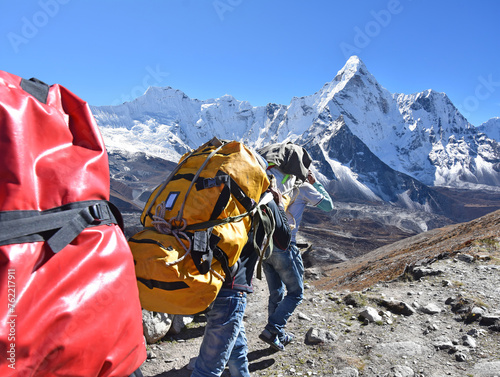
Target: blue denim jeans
(284,271)
(224,342)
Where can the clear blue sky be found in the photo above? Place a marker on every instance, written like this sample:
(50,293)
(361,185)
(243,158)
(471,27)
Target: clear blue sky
(109,51)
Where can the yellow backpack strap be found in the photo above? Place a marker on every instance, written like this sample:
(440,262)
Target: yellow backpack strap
(161,188)
(214,142)
(195,179)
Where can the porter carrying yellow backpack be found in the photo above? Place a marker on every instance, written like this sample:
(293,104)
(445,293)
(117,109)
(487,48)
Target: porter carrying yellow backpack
(195,226)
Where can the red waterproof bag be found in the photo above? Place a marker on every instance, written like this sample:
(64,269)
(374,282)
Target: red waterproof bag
(69,303)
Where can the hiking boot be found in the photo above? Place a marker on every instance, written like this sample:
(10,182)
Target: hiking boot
(272,340)
(287,338)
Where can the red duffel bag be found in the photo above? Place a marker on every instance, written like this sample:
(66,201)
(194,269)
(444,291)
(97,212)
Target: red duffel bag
(69,302)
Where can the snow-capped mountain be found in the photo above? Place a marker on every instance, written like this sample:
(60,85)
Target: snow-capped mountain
(387,146)
(491,128)
(353,171)
(422,135)
(167,123)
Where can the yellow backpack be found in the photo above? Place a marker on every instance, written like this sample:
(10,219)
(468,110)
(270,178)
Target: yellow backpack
(195,226)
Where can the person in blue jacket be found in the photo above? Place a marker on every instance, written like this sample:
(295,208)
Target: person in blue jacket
(224,342)
(284,270)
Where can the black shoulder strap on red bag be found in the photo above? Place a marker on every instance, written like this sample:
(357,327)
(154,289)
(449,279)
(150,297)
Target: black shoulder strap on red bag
(57,226)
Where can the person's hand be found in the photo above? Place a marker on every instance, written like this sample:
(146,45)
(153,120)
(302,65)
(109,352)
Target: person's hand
(310,177)
(278,198)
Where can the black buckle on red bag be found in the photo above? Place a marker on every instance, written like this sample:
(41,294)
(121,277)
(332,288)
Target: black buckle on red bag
(100,213)
(96,211)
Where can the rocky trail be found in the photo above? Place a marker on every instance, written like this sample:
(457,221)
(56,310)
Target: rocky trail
(426,306)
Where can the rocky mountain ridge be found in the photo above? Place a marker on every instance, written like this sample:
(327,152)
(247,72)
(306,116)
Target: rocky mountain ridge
(398,146)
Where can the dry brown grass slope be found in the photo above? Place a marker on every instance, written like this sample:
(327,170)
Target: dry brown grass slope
(389,262)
